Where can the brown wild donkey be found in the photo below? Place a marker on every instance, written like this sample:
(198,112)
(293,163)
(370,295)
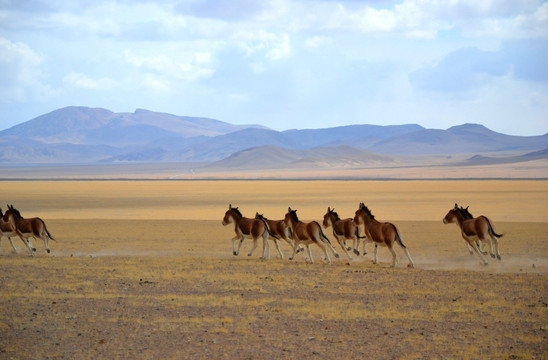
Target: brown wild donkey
(382,233)
(7,229)
(27,228)
(307,233)
(343,230)
(475,230)
(281,230)
(248,228)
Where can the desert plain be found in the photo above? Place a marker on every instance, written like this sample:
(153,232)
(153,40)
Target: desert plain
(144,269)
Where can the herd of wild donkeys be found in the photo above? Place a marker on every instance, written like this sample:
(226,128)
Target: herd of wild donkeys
(475,231)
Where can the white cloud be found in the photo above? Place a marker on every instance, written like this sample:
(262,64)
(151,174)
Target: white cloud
(21,74)
(317,41)
(187,67)
(19,61)
(271,45)
(80,80)
(281,49)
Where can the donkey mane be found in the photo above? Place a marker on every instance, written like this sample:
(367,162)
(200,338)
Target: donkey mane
(294,214)
(368,212)
(332,211)
(237,211)
(260,216)
(464,212)
(16,212)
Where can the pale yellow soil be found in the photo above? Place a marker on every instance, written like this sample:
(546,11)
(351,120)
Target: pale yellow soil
(145,270)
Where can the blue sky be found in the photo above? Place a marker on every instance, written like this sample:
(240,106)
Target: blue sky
(280,63)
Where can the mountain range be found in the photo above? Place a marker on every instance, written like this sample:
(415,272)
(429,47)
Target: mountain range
(82,135)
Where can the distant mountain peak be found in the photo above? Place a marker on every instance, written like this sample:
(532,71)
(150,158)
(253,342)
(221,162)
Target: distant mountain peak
(468,126)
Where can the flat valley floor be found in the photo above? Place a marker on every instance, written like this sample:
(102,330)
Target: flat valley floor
(144,269)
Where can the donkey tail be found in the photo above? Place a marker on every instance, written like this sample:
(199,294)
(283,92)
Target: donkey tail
(399,238)
(268,229)
(49,235)
(492,228)
(324,237)
(46,229)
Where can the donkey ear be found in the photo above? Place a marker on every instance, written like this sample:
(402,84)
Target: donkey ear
(328,209)
(289,209)
(229,206)
(467,207)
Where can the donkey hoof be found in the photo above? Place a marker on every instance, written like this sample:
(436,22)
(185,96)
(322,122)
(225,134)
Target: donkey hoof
(48,251)
(33,249)
(234,253)
(356,252)
(498,257)
(493,256)
(337,256)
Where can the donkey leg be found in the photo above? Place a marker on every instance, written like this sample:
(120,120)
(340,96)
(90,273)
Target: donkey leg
(476,249)
(496,241)
(376,253)
(46,241)
(327,258)
(310,254)
(394,262)
(266,246)
(31,248)
(344,248)
(356,246)
(491,252)
(411,263)
(470,250)
(278,247)
(26,241)
(12,245)
(254,247)
(480,247)
(234,251)
(295,246)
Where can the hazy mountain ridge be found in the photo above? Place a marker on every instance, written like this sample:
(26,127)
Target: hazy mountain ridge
(272,157)
(93,135)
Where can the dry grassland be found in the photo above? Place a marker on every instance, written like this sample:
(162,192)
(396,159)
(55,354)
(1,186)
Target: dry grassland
(144,270)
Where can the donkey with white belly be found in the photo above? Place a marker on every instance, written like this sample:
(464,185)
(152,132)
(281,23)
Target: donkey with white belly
(250,229)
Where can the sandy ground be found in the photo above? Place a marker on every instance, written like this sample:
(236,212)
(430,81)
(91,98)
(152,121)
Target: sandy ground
(145,270)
